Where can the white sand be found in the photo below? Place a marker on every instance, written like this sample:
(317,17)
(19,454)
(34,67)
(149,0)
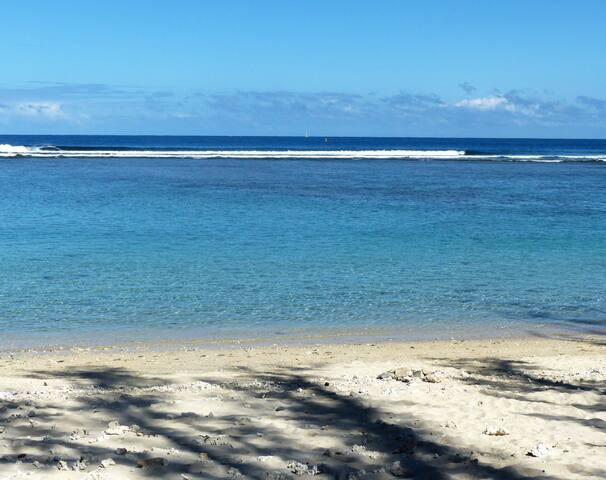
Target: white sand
(295,412)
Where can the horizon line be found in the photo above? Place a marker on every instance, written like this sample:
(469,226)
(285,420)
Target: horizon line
(428,137)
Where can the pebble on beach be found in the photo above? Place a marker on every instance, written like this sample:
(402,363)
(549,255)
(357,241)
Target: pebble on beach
(107,462)
(538,451)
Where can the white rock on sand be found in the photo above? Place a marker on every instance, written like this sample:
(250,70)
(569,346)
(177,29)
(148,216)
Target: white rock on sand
(539,450)
(107,462)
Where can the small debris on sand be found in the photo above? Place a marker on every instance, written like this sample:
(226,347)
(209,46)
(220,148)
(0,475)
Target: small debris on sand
(107,462)
(397,469)
(538,451)
(299,468)
(114,428)
(80,464)
(408,375)
(155,462)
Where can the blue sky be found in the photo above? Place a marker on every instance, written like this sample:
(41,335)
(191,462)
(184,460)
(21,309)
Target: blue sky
(392,68)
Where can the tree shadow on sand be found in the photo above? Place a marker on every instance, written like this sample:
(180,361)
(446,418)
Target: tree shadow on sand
(526,382)
(235,446)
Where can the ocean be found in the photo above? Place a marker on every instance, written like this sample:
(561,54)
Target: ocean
(117,238)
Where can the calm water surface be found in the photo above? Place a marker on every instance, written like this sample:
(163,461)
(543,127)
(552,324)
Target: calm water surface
(123,248)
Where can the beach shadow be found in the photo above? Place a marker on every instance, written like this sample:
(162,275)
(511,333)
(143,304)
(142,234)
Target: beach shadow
(523,381)
(368,441)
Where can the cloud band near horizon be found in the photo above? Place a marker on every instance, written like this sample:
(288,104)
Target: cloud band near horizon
(97,108)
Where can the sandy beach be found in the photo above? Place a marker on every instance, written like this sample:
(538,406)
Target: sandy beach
(505,409)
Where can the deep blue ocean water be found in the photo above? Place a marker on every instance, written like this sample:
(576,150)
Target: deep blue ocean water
(508,235)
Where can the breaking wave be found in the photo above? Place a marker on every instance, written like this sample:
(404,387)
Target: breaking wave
(50,151)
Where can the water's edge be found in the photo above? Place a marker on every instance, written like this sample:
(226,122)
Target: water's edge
(169,341)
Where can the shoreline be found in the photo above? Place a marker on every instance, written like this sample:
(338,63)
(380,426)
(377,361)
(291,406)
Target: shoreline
(499,408)
(174,339)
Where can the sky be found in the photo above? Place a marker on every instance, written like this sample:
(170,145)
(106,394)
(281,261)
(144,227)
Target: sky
(462,68)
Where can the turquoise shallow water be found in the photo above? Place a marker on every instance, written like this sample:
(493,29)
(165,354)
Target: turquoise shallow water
(125,247)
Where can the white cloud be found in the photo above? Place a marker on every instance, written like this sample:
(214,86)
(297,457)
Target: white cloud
(492,102)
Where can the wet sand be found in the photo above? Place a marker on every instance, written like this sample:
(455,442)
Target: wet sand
(502,408)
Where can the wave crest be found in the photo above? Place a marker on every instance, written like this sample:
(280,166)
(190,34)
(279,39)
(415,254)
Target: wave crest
(49,151)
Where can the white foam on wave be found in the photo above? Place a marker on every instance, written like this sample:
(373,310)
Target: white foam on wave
(543,158)
(7,150)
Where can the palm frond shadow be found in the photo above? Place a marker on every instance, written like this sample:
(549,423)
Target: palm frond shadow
(523,381)
(300,401)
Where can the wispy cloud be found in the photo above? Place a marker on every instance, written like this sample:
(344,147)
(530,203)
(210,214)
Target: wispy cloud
(467,87)
(596,104)
(280,102)
(39,109)
(37,89)
(33,110)
(415,102)
(137,109)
